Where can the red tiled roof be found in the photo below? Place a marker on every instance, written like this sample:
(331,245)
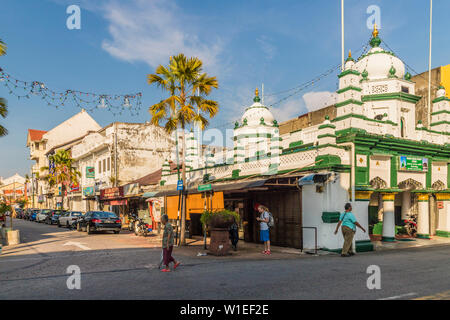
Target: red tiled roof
(36,135)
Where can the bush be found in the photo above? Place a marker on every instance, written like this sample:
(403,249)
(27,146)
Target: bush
(218,218)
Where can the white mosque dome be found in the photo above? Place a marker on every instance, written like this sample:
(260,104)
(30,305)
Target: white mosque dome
(441,92)
(256,113)
(378,63)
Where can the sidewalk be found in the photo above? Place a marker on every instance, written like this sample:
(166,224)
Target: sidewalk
(410,243)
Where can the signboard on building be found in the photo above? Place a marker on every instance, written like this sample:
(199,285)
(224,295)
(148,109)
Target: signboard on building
(408,163)
(131,189)
(88,191)
(111,193)
(90,172)
(74,187)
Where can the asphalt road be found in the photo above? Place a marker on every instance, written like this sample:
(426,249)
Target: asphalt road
(115,267)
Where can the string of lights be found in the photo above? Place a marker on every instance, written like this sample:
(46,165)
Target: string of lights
(317,78)
(116,104)
(434,85)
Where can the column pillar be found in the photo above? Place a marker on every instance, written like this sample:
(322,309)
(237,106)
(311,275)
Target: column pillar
(406,204)
(388,217)
(380,207)
(423,219)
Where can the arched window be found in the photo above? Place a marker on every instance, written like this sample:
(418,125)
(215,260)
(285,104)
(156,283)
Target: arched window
(402,127)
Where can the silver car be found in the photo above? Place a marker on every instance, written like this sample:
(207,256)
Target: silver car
(42,215)
(68,218)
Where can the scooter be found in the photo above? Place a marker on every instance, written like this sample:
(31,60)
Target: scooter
(141,228)
(411,225)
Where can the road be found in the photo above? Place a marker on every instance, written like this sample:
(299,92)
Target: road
(125,267)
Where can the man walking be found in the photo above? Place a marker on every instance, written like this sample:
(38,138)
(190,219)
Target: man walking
(349,224)
(167,244)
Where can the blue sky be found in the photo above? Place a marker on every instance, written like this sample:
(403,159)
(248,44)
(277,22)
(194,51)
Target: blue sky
(244,43)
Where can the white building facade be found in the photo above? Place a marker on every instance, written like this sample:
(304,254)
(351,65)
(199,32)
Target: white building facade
(373,154)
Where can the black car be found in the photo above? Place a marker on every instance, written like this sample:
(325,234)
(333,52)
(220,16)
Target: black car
(99,221)
(53,217)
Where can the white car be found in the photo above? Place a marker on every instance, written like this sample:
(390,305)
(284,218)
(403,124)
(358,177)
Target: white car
(68,218)
(42,215)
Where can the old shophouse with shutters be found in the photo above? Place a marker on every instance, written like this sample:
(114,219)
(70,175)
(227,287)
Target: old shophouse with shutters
(112,158)
(373,153)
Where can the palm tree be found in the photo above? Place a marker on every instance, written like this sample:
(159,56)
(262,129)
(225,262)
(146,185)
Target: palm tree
(63,173)
(187,86)
(3,103)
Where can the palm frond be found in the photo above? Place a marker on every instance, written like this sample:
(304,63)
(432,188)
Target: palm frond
(2,48)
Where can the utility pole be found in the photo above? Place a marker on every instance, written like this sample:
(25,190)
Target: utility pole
(342,35)
(429,67)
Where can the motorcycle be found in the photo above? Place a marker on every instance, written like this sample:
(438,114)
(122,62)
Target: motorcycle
(411,225)
(141,228)
(132,222)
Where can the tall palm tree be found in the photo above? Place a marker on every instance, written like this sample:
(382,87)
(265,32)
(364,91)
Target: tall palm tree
(187,86)
(3,103)
(63,173)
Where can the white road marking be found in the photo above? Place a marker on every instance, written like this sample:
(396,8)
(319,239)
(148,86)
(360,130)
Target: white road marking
(400,296)
(77,244)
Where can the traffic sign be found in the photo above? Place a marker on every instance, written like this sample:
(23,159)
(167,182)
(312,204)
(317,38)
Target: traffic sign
(180,185)
(205,187)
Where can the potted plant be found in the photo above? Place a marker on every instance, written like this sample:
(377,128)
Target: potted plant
(217,223)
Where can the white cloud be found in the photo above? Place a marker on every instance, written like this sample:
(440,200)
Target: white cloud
(288,110)
(318,100)
(151,31)
(269,49)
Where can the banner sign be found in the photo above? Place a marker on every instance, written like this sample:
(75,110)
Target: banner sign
(90,172)
(408,163)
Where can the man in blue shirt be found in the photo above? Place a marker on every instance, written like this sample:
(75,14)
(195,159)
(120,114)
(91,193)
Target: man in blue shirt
(349,224)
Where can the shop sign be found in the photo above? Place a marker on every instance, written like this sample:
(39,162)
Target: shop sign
(440,204)
(90,172)
(111,193)
(408,163)
(131,189)
(88,191)
(118,202)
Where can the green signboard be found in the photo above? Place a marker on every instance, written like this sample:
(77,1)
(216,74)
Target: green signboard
(204,187)
(90,172)
(408,163)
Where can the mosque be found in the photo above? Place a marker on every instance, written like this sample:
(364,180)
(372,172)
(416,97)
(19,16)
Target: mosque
(373,153)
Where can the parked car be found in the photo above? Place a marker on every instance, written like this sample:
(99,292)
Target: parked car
(69,218)
(33,214)
(42,215)
(99,221)
(53,217)
(19,213)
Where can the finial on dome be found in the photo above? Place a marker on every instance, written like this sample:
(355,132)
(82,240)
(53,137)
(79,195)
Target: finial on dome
(375,30)
(349,53)
(256,99)
(375,42)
